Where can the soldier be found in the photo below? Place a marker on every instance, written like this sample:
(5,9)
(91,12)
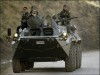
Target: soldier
(25,15)
(64,17)
(34,21)
(64,14)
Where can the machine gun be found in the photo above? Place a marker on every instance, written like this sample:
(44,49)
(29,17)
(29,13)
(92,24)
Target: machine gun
(65,19)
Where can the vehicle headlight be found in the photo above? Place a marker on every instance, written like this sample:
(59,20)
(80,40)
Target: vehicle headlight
(64,34)
(15,35)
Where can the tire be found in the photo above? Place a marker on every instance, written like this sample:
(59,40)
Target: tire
(29,65)
(22,66)
(78,56)
(16,65)
(70,61)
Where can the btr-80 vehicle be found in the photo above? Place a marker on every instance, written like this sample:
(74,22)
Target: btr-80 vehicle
(51,42)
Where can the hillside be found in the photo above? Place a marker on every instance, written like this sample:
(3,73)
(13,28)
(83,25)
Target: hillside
(87,11)
(5,51)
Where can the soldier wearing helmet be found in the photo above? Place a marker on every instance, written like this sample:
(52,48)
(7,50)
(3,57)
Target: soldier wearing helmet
(64,14)
(34,21)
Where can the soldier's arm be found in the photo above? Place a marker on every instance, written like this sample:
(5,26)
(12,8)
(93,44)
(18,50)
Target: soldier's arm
(61,14)
(69,14)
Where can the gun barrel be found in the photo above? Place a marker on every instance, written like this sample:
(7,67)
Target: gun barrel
(72,18)
(66,19)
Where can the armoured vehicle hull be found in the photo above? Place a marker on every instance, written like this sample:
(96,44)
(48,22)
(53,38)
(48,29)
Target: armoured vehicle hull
(52,44)
(34,48)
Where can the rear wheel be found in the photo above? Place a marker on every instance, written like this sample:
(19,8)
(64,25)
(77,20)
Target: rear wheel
(78,56)
(16,65)
(70,62)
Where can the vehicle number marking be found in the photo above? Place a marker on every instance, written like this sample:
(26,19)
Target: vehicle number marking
(40,42)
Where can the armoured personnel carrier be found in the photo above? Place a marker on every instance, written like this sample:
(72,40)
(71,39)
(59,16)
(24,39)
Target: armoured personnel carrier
(50,42)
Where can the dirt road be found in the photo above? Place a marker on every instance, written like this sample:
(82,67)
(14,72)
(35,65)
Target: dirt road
(90,65)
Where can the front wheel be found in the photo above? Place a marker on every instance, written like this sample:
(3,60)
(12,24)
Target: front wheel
(16,65)
(70,61)
(78,56)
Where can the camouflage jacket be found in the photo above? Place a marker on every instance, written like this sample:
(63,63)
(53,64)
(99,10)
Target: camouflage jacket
(64,14)
(25,16)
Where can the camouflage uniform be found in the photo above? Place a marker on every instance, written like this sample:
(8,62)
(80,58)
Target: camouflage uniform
(25,16)
(65,14)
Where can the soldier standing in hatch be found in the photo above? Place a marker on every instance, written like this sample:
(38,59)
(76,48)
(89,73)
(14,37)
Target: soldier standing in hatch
(34,21)
(25,15)
(64,14)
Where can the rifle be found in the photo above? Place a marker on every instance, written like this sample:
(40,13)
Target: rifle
(65,19)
